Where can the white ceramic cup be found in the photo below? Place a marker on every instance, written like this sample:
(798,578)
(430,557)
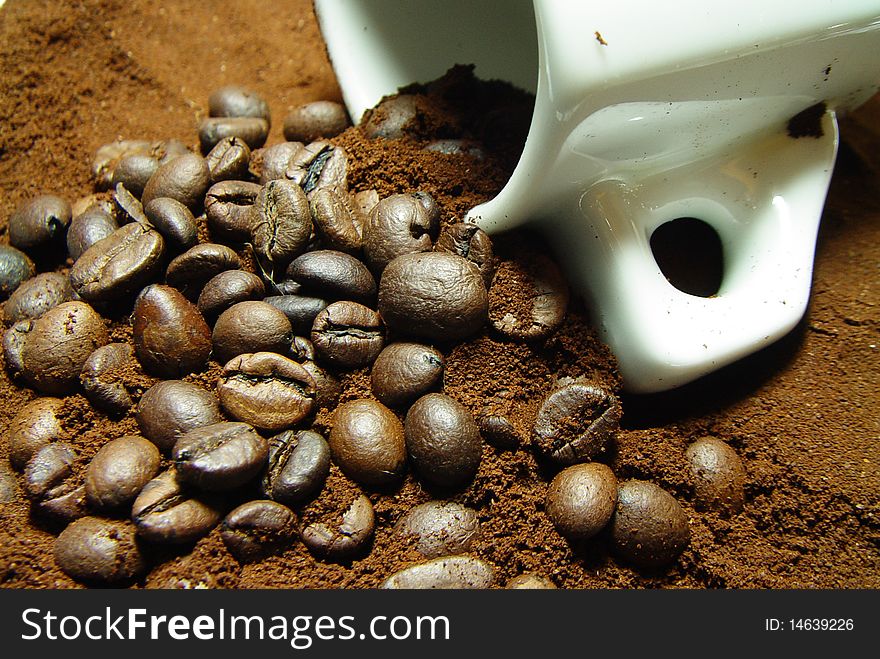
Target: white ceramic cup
(647,112)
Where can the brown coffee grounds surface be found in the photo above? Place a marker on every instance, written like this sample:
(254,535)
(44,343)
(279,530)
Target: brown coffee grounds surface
(802,414)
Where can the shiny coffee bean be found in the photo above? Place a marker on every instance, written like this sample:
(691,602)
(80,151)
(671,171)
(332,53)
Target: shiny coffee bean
(15,267)
(718,476)
(35,426)
(94,224)
(390,118)
(39,222)
(400,224)
(13,345)
(119,265)
(348,334)
(235,101)
(440,528)
(221,456)
(170,336)
(53,483)
(442,441)
(434,296)
(228,160)
(101,378)
(250,326)
(337,541)
(333,275)
(530,581)
(128,207)
(190,271)
(37,295)
(649,527)
(119,471)
(103,551)
(319,165)
(228,209)
(498,431)
(334,220)
(174,221)
(185,178)
(576,422)
(581,500)
(538,303)
(134,171)
(266,390)
(404,371)
(298,466)
(300,310)
(228,288)
(472,243)
(270,164)
(171,408)
(258,528)
(449,572)
(313,120)
(58,346)
(166,513)
(367,442)
(250,130)
(281,225)
(108,156)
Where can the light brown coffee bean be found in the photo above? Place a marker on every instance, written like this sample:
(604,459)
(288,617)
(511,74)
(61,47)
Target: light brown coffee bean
(341,541)
(316,119)
(450,572)
(405,371)
(649,527)
(367,443)
(119,471)
(348,334)
(103,551)
(185,178)
(440,528)
(35,426)
(229,160)
(39,222)
(228,209)
(221,456)
(400,224)
(581,500)
(37,295)
(256,529)
(281,224)
(718,476)
(165,512)
(101,379)
(171,408)
(334,220)
(253,131)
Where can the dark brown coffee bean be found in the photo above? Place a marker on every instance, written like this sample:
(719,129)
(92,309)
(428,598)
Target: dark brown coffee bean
(185,178)
(302,350)
(128,207)
(53,483)
(104,551)
(235,101)
(404,371)
(108,156)
(281,224)
(229,160)
(171,408)
(718,476)
(333,275)
(367,443)
(435,296)
(228,209)
(313,120)
(298,466)
(36,296)
(581,500)
(35,426)
(300,310)
(221,456)
(87,228)
(118,265)
(266,390)
(270,164)
(334,220)
(400,224)
(101,379)
(165,512)
(119,471)
(250,326)
(472,243)
(228,288)
(528,299)
(339,542)
(174,221)
(39,222)
(440,528)
(576,422)
(649,527)
(190,271)
(258,528)
(389,119)
(443,441)
(498,431)
(449,572)
(348,334)
(250,130)
(319,165)
(15,267)
(134,171)
(58,345)
(530,581)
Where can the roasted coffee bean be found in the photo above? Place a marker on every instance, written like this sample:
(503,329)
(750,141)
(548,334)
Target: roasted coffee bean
(228,209)
(530,581)
(9,490)
(435,296)
(300,310)
(338,542)
(348,334)
(404,371)
(649,527)
(319,165)
(229,160)
(171,408)
(258,528)
(472,243)
(302,350)
(101,380)
(128,207)
(108,156)
(221,456)
(13,345)
(449,572)
(190,271)
(333,275)
(718,476)
(118,265)
(443,441)
(334,220)
(164,512)
(53,484)
(35,426)
(528,298)
(36,296)
(581,500)
(440,528)
(298,466)
(119,471)
(250,326)
(389,119)
(96,550)
(58,345)
(286,287)
(576,422)
(266,390)
(367,442)
(250,130)
(87,228)
(39,222)
(327,387)
(498,431)
(185,178)
(281,224)
(364,201)
(15,267)
(228,288)
(170,336)
(400,224)
(235,101)
(134,171)
(270,164)
(316,119)
(174,221)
